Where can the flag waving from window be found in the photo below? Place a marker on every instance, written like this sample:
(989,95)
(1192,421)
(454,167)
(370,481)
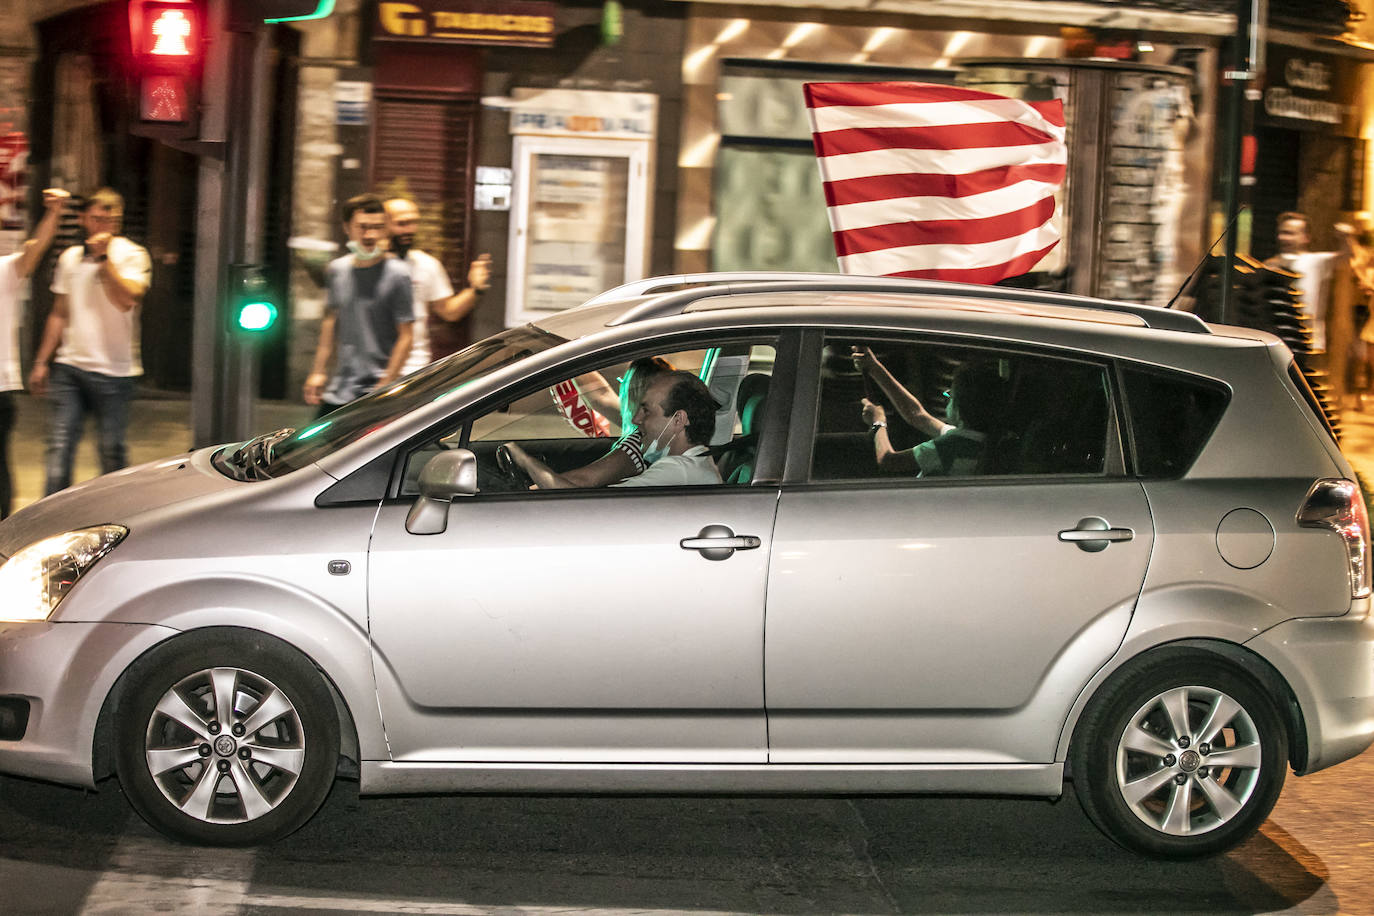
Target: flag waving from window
(943,182)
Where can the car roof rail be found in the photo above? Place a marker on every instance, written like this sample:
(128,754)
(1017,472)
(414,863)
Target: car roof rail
(650,285)
(731,283)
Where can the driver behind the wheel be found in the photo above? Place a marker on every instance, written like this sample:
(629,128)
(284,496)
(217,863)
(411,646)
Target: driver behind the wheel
(626,456)
(676,416)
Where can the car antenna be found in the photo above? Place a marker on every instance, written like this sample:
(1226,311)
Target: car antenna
(1205,255)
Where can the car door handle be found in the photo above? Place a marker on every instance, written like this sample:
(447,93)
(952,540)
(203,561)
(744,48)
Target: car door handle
(717,542)
(1093,534)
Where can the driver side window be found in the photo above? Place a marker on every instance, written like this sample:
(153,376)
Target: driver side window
(581,429)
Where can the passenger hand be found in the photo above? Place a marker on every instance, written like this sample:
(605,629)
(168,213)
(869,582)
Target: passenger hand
(314,387)
(38,379)
(479,272)
(864,360)
(873,413)
(98,245)
(55,198)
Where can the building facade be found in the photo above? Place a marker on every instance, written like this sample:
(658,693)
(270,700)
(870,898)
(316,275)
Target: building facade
(583,143)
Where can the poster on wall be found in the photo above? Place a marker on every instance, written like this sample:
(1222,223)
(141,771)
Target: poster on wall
(580,189)
(577,229)
(14,169)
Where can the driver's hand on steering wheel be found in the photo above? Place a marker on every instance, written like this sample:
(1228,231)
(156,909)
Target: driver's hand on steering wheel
(510,458)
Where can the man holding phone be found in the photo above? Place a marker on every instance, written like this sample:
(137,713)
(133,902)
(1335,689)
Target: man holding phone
(91,340)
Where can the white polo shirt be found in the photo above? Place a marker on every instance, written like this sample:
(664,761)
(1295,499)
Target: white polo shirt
(429,280)
(11,378)
(692,467)
(100,337)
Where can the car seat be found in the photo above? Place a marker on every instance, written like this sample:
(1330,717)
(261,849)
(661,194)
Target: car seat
(737,458)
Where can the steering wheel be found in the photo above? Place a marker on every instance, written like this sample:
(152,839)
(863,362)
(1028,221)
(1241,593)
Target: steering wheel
(513,473)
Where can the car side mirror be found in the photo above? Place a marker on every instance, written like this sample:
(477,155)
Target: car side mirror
(445,476)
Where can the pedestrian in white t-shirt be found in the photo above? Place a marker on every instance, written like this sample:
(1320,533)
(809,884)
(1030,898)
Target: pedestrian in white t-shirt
(1315,271)
(434,295)
(14,270)
(91,340)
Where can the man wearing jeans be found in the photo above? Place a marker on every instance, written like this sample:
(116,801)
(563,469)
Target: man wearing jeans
(93,330)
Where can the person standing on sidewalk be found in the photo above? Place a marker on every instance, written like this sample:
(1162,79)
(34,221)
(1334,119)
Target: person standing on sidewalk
(368,312)
(93,330)
(1315,270)
(435,300)
(14,269)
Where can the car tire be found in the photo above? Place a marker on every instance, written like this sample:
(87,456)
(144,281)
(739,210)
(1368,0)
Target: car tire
(1179,757)
(225,738)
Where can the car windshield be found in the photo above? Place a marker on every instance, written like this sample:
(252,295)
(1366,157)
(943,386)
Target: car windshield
(355,420)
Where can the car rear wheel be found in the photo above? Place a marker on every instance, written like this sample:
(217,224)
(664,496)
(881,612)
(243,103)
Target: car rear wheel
(1180,759)
(226,740)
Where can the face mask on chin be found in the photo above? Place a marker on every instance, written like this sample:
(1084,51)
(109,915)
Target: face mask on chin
(657,451)
(365,254)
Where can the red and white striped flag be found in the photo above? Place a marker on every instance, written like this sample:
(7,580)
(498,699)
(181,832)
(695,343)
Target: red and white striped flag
(923,180)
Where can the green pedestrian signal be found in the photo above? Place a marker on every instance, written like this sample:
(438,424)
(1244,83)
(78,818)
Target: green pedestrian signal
(250,306)
(257,316)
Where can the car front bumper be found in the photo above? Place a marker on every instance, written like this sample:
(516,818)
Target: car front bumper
(63,672)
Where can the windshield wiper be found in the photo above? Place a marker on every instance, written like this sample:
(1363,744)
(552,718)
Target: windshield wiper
(255,454)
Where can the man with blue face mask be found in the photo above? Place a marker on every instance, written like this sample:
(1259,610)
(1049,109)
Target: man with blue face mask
(673,422)
(368,313)
(676,418)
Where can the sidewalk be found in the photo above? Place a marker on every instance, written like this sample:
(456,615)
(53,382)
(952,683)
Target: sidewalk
(160,426)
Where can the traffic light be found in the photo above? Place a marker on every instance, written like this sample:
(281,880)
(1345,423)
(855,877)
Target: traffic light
(167,37)
(251,309)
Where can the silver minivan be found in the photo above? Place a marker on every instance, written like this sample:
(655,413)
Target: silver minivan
(963,540)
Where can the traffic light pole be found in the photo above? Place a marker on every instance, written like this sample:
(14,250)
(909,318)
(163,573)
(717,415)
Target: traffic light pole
(224,367)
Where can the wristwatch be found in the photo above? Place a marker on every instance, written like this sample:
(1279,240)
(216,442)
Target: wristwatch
(873,430)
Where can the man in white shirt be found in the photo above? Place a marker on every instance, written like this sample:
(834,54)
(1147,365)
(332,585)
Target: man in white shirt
(1315,270)
(435,299)
(676,417)
(14,269)
(93,330)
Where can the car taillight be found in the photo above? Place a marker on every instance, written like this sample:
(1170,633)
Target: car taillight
(1337,504)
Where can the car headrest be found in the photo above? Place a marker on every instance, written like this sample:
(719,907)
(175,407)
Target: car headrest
(753,393)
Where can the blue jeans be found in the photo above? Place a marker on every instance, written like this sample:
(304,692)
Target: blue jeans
(72,393)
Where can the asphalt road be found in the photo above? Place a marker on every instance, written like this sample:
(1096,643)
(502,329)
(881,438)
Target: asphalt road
(64,851)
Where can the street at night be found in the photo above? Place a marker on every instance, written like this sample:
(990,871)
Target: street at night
(63,851)
(643,457)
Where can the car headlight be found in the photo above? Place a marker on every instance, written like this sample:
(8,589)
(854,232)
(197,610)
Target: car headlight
(36,579)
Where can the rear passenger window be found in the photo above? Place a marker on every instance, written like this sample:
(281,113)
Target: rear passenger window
(1171,419)
(908,409)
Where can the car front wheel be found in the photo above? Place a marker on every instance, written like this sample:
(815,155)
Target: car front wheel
(227,740)
(1180,759)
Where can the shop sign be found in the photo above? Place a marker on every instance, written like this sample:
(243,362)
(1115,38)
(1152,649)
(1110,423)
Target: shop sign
(510,23)
(351,100)
(1308,90)
(589,113)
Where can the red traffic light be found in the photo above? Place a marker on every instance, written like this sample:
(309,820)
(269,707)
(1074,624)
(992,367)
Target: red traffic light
(164,97)
(165,31)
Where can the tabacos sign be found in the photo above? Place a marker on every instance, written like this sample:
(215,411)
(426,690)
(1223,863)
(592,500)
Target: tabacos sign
(512,23)
(1309,90)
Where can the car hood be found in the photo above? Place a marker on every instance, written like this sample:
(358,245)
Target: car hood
(115,498)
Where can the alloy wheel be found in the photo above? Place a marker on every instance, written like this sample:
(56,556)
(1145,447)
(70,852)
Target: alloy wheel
(225,745)
(1188,760)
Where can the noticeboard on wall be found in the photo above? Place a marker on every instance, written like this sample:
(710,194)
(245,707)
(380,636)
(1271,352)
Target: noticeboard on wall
(580,198)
